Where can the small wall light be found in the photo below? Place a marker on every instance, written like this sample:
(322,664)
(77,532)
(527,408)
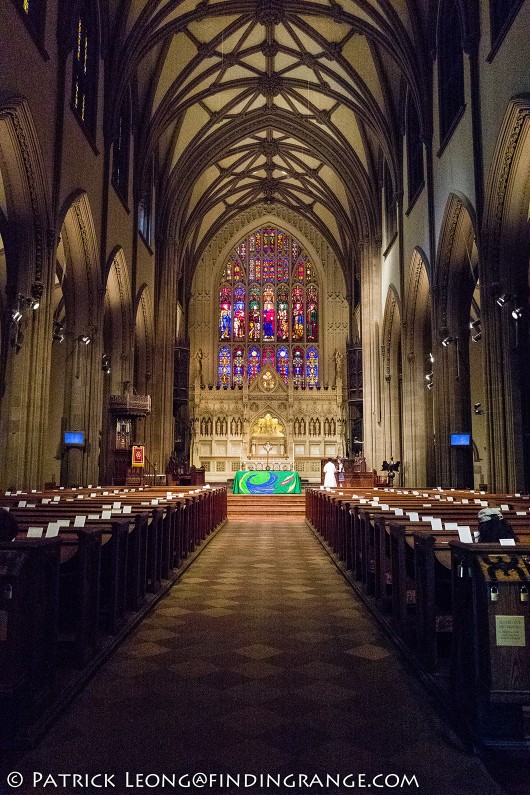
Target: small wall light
(504,299)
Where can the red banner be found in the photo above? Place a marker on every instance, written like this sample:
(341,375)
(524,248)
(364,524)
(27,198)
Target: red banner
(138,455)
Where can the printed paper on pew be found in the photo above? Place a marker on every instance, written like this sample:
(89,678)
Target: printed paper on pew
(53,530)
(398,511)
(127,509)
(436,524)
(507,542)
(505,507)
(451,525)
(385,507)
(63,522)
(22,504)
(520,513)
(46,500)
(93,516)
(79,521)
(464,534)
(106,514)
(116,506)
(465,502)
(413,516)
(35,532)
(427,518)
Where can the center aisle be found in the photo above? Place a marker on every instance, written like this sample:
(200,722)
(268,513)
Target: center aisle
(261,660)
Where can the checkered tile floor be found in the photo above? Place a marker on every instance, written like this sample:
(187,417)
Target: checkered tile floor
(260,660)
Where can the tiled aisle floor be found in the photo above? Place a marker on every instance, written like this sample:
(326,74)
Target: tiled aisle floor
(261,660)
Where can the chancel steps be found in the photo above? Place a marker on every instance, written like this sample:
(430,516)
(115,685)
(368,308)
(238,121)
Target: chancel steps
(271,507)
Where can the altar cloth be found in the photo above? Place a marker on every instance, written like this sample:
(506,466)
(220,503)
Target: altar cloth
(266,482)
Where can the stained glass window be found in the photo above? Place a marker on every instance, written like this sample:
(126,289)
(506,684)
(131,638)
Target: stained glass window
(120,150)
(225,312)
(254,322)
(268,312)
(253,362)
(283,363)
(312,313)
(85,69)
(282,327)
(298,366)
(298,312)
(312,367)
(239,366)
(239,312)
(269,309)
(35,13)
(224,366)
(268,356)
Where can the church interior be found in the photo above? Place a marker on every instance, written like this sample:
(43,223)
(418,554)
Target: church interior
(239,240)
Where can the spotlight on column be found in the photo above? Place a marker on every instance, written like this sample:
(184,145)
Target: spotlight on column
(504,299)
(517,313)
(448,340)
(105,363)
(476,337)
(474,325)
(37,289)
(477,408)
(85,339)
(16,315)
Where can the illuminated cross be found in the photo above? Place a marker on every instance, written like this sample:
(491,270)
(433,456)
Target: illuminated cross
(268,447)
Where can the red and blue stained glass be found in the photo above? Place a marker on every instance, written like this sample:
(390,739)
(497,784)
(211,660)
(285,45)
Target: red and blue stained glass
(253,362)
(224,366)
(312,367)
(298,366)
(268,312)
(269,269)
(268,309)
(225,312)
(254,317)
(282,320)
(312,313)
(239,366)
(282,365)
(268,356)
(239,312)
(298,312)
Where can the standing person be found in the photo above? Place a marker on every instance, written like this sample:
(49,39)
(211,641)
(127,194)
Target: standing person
(330,480)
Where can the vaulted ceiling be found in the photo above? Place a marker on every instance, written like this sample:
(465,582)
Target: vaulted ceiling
(247,101)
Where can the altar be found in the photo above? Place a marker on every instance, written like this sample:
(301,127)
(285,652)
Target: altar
(266,482)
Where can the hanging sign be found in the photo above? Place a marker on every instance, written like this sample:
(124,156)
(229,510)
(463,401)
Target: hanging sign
(138,455)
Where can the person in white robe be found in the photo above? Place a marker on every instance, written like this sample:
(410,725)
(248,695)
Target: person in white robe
(330,481)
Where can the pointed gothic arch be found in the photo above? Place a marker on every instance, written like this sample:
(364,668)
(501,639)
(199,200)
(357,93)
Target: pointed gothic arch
(454,285)
(29,243)
(418,425)
(506,248)
(76,389)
